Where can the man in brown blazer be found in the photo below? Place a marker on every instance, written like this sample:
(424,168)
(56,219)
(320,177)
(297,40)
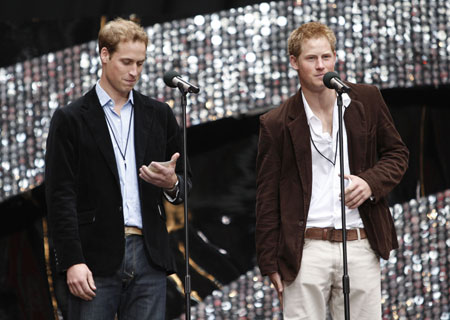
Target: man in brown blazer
(298,211)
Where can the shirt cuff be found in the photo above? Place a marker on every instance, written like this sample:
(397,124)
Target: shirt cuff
(168,196)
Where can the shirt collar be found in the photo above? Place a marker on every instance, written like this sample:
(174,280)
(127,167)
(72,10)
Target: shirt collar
(104,97)
(310,114)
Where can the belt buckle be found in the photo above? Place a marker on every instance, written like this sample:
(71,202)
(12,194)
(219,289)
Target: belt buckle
(332,236)
(329,234)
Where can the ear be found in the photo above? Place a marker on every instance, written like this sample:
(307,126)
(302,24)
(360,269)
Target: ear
(293,62)
(104,55)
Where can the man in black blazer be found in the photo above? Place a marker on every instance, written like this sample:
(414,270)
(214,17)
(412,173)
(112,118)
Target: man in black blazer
(107,170)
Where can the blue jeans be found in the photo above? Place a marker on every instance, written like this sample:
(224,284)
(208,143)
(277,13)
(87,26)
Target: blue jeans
(136,291)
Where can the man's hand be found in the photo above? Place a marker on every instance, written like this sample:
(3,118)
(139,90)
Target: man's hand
(80,281)
(357,191)
(278,284)
(161,174)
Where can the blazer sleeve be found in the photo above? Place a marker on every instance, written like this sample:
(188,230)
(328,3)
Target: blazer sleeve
(60,188)
(267,230)
(391,152)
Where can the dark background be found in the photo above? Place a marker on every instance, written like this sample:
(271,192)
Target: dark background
(32,28)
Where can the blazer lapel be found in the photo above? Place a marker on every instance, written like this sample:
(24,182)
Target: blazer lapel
(300,138)
(143,124)
(356,126)
(94,117)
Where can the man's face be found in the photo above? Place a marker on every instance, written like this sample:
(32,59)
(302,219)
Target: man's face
(122,69)
(316,59)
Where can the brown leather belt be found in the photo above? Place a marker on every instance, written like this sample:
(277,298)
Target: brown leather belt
(333,235)
(132,230)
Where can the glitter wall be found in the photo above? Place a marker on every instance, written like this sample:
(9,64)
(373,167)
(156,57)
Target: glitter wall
(238,58)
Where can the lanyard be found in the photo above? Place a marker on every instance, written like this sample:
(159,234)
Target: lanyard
(123,154)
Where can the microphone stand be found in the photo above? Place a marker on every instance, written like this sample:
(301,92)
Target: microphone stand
(345,277)
(187,278)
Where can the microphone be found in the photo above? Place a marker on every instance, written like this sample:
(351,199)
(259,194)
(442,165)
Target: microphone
(174,80)
(332,81)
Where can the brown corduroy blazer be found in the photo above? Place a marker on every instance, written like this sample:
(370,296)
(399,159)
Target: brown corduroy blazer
(376,153)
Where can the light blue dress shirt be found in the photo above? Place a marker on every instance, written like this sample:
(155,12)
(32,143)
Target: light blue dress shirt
(118,126)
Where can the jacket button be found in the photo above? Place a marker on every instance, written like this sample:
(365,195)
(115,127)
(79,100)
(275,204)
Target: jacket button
(301,223)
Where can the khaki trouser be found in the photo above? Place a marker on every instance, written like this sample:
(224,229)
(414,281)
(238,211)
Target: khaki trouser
(319,282)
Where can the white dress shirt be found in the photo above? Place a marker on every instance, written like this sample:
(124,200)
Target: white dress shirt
(121,127)
(325,206)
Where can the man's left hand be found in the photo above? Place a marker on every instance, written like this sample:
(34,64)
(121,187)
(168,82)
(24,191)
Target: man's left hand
(357,191)
(161,174)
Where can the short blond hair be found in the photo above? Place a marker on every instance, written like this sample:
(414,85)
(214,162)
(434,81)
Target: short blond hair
(307,31)
(120,30)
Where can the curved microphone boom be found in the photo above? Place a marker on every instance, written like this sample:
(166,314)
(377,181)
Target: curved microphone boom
(333,81)
(174,80)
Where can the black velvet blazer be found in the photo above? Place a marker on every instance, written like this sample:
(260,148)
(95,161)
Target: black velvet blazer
(82,183)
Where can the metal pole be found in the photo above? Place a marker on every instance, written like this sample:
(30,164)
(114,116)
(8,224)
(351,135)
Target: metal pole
(187,279)
(345,277)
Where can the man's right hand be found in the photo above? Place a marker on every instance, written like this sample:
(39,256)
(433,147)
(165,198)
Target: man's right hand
(278,283)
(80,281)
